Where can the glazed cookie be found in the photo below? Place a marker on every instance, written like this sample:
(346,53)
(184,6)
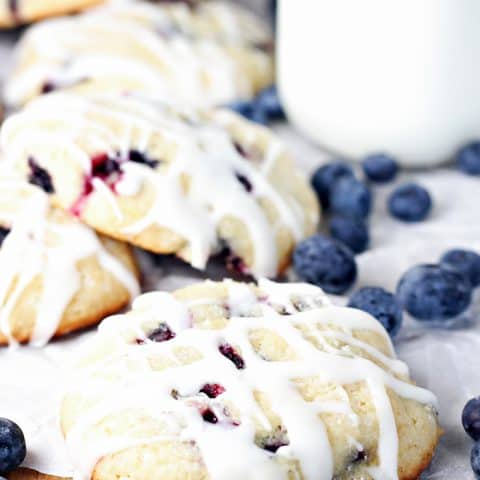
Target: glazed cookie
(18,12)
(206,55)
(57,276)
(228,381)
(165,179)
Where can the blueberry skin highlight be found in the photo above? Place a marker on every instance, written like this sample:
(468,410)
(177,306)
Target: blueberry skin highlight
(350,197)
(430,293)
(465,262)
(325,178)
(468,159)
(380,168)
(381,304)
(326,263)
(12,446)
(353,232)
(471,418)
(410,203)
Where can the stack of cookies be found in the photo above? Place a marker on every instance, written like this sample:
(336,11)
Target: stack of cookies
(119,137)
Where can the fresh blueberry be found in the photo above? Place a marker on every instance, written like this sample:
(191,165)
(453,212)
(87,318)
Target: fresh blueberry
(325,262)
(353,232)
(351,197)
(12,446)
(326,176)
(381,304)
(380,168)
(475,460)
(268,100)
(464,262)
(250,110)
(471,418)
(429,292)
(468,159)
(410,203)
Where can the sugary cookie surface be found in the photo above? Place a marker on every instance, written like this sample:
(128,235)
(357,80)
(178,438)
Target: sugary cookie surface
(18,12)
(209,54)
(57,274)
(229,381)
(166,179)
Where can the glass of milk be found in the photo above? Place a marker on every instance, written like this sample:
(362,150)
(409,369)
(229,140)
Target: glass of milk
(397,76)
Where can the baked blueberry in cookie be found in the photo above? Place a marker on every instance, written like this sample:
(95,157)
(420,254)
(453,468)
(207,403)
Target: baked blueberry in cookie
(39,176)
(319,395)
(165,178)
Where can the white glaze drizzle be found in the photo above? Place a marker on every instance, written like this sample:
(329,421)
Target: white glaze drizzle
(190,62)
(204,152)
(228,451)
(38,246)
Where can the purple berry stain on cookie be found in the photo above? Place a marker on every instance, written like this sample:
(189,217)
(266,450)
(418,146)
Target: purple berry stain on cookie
(3,234)
(161,334)
(229,352)
(39,176)
(212,390)
(246,184)
(108,169)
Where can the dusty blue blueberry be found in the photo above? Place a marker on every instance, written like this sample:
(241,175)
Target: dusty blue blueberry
(350,197)
(468,159)
(325,178)
(410,203)
(269,102)
(430,293)
(12,446)
(325,262)
(471,418)
(250,110)
(380,168)
(465,262)
(381,304)
(475,459)
(353,232)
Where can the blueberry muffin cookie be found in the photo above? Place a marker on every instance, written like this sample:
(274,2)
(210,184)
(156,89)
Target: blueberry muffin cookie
(18,12)
(229,381)
(205,55)
(58,276)
(166,179)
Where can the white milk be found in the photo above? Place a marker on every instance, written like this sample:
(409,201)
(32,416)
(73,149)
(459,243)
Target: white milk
(401,76)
